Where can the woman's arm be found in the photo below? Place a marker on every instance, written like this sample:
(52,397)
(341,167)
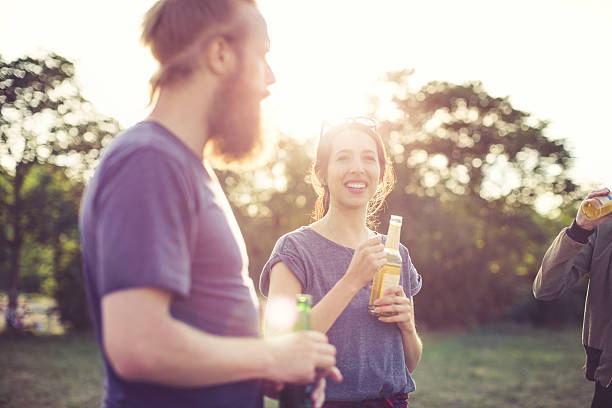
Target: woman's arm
(284,283)
(395,301)
(368,258)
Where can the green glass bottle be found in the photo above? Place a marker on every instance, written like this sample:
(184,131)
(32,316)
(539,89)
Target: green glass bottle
(297,395)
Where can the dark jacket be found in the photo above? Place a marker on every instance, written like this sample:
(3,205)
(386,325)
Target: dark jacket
(573,254)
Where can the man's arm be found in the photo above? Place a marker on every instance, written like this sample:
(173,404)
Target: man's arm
(569,256)
(143,342)
(564,263)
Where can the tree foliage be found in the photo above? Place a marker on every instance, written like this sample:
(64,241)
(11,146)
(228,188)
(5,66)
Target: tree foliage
(45,125)
(458,139)
(470,168)
(272,200)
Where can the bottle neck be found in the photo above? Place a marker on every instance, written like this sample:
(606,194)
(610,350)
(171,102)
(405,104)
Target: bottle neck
(393,237)
(303,319)
(304,303)
(303,308)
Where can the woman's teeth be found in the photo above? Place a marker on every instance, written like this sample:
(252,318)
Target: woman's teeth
(355,185)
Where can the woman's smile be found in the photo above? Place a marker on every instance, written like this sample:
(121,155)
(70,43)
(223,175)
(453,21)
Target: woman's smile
(356,187)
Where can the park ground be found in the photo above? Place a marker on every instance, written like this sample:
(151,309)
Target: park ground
(494,366)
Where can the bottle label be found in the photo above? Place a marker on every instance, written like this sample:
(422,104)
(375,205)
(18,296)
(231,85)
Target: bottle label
(393,236)
(603,199)
(390,277)
(597,207)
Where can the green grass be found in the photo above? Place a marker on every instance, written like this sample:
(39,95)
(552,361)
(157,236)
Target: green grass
(50,372)
(500,367)
(504,366)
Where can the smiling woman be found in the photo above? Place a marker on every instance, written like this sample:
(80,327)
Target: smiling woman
(352,148)
(334,260)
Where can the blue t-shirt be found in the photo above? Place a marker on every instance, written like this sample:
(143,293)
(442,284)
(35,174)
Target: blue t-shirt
(154,215)
(370,353)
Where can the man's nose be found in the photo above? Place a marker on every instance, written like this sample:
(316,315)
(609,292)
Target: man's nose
(270,78)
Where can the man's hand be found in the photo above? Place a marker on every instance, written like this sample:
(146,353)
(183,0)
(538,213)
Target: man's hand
(273,388)
(318,394)
(296,357)
(583,221)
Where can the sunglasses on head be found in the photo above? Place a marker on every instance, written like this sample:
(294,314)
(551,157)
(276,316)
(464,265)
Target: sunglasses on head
(365,121)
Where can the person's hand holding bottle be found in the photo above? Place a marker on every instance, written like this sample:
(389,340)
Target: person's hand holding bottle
(589,224)
(369,257)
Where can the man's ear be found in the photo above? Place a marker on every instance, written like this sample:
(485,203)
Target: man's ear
(220,57)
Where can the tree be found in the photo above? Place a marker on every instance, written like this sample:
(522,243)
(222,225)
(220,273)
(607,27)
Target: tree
(56,230)
(459,139)
(271,200)
(44,121)
(470,169)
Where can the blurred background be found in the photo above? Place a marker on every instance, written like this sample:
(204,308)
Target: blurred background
(495,116)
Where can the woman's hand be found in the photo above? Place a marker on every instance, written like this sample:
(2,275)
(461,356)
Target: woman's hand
(395,302)
(369,257)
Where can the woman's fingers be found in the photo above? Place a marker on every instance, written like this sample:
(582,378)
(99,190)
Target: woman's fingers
(390,295)
(394,308)
(395,305)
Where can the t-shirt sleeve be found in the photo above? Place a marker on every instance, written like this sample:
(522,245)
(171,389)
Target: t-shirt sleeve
(143,225)
(285,251)
(411,280)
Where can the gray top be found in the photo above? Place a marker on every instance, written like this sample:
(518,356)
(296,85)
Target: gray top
(153,215)
(565,262)
(370,353)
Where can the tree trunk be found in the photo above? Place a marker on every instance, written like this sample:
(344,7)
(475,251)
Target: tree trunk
(13,292)
(16,244)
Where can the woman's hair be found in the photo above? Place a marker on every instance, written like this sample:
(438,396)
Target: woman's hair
(175,31)
(318,172)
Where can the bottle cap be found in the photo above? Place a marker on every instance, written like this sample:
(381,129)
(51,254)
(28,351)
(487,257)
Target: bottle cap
(304,298)
(396,219)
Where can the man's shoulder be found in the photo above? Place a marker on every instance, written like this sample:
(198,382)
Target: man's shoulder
(146,137)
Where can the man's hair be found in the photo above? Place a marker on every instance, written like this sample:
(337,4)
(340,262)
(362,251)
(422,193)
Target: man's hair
(176,31)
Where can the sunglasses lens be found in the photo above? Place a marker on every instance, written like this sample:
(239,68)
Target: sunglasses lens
(365,121)
(361,120)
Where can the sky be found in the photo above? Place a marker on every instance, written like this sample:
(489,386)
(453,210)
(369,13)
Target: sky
(552,58)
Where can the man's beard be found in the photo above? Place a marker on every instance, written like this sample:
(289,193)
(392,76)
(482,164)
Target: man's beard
(235,123)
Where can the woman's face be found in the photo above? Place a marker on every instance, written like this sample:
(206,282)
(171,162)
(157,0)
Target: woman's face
(353,171)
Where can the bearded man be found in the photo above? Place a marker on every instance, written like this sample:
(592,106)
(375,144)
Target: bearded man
(165,265)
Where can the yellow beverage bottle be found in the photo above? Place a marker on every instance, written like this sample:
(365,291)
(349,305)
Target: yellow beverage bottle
(597,207)
(389,275)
